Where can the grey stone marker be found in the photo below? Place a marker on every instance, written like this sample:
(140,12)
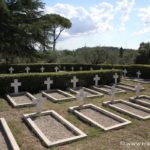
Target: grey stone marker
(48,82)
(56,69)
(125,72)
(27,69)
(138,74)
(11,70)
(81,68)
(16,84)
(74,81)
(64,68)
(91,69)
(80,97)
(138,88)
(113,93)
(116,78)
(72,68)
(42,69)
(96,79)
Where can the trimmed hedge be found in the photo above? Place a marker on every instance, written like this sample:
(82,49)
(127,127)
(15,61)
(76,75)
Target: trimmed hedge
(34,82)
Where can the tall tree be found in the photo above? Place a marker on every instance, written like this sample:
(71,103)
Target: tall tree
(57,24)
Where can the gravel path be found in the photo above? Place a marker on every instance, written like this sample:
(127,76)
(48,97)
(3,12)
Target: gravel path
(99,117)
(3,144)
(131,109)
(53,129)
(21,99)
(57,95)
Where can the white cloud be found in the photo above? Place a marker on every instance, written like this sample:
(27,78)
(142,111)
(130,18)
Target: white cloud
(96,19)
(125,7)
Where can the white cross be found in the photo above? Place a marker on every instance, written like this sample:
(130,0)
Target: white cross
(113,93)
(27,69)
(42,69)
(64,68)
(56,69)
(96,79)
(39,105)
(81,68)
(91,68)
(48,82)
(116,77)
(138,74)
(15,84)
(11,69)
(80,96)
(72,68)
(138,87)
(74,81)
(125,72)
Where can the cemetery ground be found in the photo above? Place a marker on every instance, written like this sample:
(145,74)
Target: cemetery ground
(97,139)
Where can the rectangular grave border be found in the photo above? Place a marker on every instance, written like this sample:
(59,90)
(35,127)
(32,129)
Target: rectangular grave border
(67,98)
(47,142)
(94,94)
(14,104)
(98,88)
(75,111)
(128,87)
(131,114)
(144,81)
(140,102)
(11,140)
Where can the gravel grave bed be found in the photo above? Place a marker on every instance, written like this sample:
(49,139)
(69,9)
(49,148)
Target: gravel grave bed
(21,99)
(87,93)
(57,95)
(143,99)
(131,109)
(52,128)
(99,117)
(3,144)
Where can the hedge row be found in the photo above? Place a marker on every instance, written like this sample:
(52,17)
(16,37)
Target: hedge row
(34,82)
(132,69)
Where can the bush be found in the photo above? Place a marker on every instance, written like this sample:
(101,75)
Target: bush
(34,82)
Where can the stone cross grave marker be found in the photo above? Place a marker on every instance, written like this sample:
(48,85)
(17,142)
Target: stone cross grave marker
(125,72)
(16,85)
(11,70)
(48,82)
(81,68)
(96,79)
(39,105)
(138,74)
(113,93)
(138,88)
(91,69)
(116,77)
(56,69)
(74,81)
(72,68)
(80,96)
(27,69)
(42,69)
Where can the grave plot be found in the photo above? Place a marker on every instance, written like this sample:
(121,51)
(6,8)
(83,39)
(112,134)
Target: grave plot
(52,128)
(129,108)
(89,93)
(142,100)
(7,141)
(127,87)
(58,95)
(145,81)
(21,99)
(99,117)
(107,89)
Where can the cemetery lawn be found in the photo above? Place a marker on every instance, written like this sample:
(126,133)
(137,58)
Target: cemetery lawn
(136,133)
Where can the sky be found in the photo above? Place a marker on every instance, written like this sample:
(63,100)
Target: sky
(115,23)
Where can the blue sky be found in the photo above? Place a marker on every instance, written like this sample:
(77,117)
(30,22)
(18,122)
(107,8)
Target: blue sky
(118,23)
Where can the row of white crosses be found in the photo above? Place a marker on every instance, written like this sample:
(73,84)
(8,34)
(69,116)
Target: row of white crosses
(138,73)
